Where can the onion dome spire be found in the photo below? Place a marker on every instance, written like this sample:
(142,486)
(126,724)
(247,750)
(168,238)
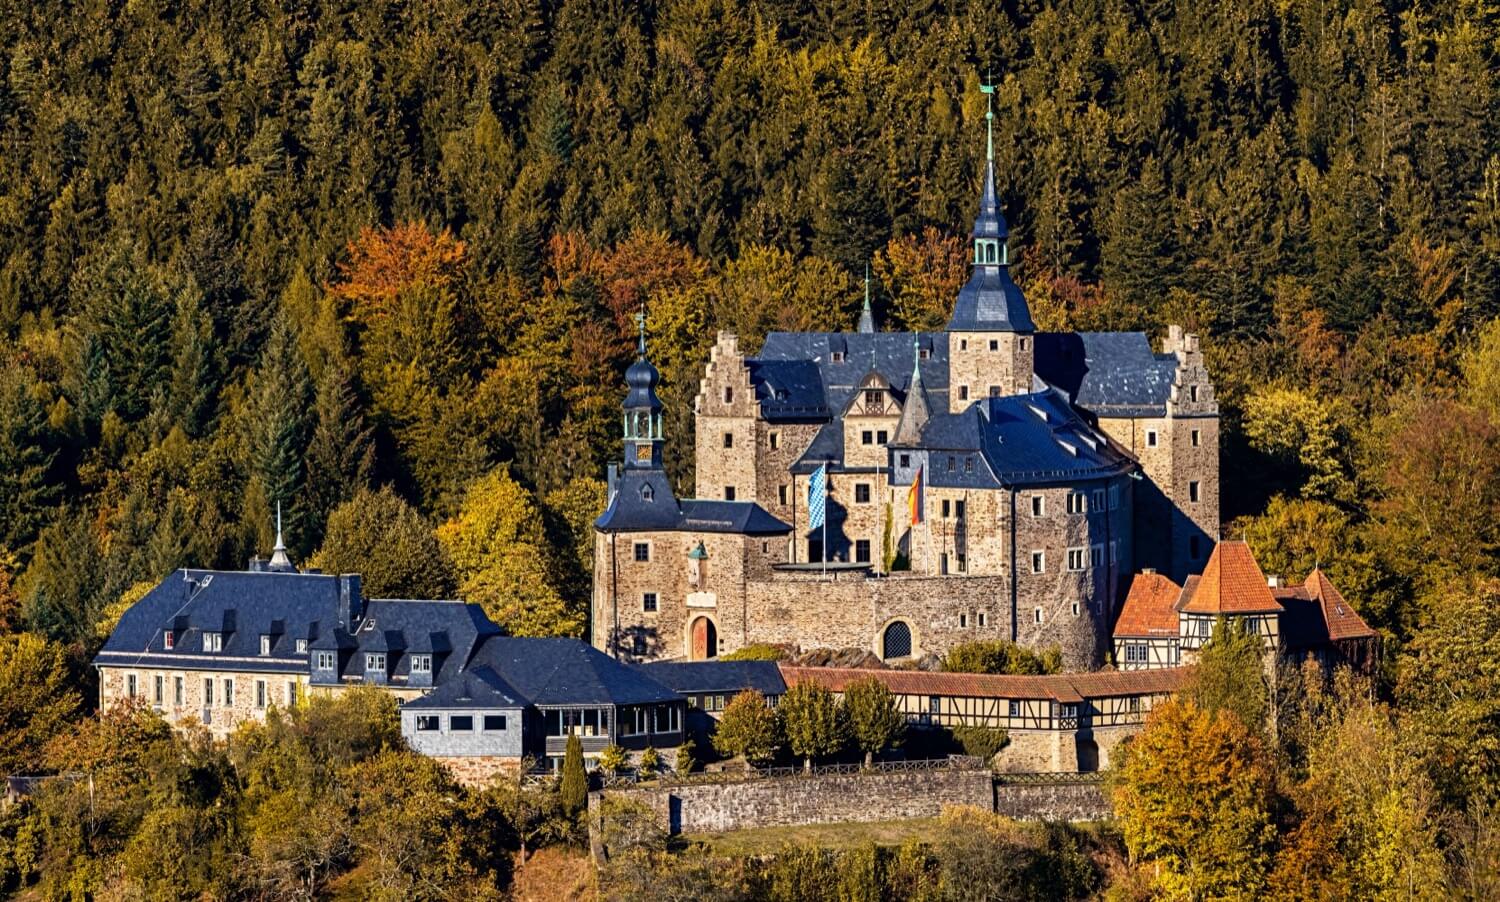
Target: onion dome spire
(642,408)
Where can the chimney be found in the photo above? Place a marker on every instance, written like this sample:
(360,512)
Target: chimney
(1148,571)
(1273,581)
(351,605)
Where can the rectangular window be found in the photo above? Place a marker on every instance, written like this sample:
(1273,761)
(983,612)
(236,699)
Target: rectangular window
(963,344)
(1098,502)
(728,394)
(208,693)
(963,621)
(301,646)
(291,693)
(963,563)
(1193,492)
(935,704)
(421,663)
(874,397)
(958,509)
(952,463)
(265,644)
(229,693)
(729,439)
(1077,609)
(1114,497)
(1036,615)
(945,507)
(838,356)
(968,464)
(994,391)
(984,619)
(1038,562)
(648,601)
(867,437)
(260,695)
(994,345)
(861,493)
(1038,506)
(1096,555)
(375,662)
(494,723)
(904,460)
(213,641)
(643,551)
(130,687)
(728,493)
(460,723)
(427,723)
(1077,558)
(168,639)
(963,393)
(774,440)
(1150,438)
(159,689)
(781,495)
(1013,709)
(325,660)
(881,436)
(862,551)
(1193,393)
(1197,437)
(1077,503)
(1069,711)
(177,690)
(1114,551)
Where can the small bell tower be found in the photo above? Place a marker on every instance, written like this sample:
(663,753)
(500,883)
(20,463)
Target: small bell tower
(642,409)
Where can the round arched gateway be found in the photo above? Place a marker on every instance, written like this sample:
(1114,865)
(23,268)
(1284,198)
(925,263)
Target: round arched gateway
(705,640)
(897,641)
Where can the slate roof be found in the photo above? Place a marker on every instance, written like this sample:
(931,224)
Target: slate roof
(561,672)
(1062,687)
(449,630)
(990,301)
(1149,610)
(1231,583)
(630,511)
(287,606)
(888,353)
(788,390)
(718,676)
(1107,373)
(478,687)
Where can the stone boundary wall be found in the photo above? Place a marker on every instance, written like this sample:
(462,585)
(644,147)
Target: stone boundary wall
(713,807)
(1053,801)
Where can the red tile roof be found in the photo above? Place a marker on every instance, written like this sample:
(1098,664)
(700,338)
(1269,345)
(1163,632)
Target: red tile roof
(1232,583)
(1338,614)
(1063,687)
(1149,607)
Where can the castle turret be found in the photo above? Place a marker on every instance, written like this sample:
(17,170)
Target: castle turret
(867,316)
(990,333)
(643,410)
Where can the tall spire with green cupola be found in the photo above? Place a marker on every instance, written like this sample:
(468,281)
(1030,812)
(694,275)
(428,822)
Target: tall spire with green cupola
(990,301)
(642,408)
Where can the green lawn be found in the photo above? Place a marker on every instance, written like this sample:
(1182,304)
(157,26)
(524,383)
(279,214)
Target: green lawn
(763,840)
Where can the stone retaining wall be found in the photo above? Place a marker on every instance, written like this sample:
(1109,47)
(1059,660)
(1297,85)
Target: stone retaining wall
(1052,801)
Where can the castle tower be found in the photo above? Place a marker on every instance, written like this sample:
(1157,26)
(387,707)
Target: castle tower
(642,410)
(990,348)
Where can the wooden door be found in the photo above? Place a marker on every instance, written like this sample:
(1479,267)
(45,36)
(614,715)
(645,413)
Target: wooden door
(705,643)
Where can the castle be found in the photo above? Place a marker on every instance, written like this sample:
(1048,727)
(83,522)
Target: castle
(905,492)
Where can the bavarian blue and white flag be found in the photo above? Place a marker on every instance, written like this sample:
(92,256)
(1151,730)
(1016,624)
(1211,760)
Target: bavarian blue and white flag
(817,496)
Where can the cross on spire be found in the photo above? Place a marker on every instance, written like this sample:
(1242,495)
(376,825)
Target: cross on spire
(987,87)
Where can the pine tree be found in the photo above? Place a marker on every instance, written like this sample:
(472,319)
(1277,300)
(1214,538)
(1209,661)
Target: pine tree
(575,780)
(26,494)
(341,452)
(191,394)
(278,429)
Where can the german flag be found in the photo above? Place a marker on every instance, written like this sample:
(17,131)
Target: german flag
(914,498)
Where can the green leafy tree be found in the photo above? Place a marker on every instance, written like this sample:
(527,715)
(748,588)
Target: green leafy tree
(748,728)
(1000,656)
(612,759)
(874,720)
(1231,674)
(37,700)
(575,780)
(379,536)
(814,723)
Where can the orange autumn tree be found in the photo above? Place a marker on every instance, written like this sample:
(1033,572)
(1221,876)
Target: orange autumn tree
(921,275)
(1193,800)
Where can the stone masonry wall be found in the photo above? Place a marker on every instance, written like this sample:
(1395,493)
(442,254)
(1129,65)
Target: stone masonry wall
(1052,801)
(726,405)
(971,363)
(784,801)
(222,717)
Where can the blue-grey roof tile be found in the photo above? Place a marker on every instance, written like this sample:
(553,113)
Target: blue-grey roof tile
(1108,373)
(718,676)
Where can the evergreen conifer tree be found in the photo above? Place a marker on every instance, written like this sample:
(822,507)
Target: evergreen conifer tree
(575,780)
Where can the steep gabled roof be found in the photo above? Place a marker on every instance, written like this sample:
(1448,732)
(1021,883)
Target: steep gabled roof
(1231,583)
(550,672)
(1149,610)
(1342,621)
(478,687)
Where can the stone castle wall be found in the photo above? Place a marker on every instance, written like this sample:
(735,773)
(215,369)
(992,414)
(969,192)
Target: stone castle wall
(222,717)
(972,364)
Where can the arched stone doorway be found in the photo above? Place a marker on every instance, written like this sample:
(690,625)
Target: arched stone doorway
(703,640)
(896,643)
(1088,755)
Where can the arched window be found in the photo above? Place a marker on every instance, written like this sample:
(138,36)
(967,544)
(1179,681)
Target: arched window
(897,641)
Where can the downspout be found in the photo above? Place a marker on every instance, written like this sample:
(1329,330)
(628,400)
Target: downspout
(614,595)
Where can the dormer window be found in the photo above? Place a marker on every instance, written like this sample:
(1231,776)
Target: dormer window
(375,663)
(838,356)
(325,660)
(421,663)
(213,641)
(265,644)
(168,640)
(648,494)
(301,646)
(924,353)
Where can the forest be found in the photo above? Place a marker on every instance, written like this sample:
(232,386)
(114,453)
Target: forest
(377,262)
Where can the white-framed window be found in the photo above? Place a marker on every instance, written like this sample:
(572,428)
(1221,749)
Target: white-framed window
(494,723)
(325,660)
(1098,502)
(265,644)
(208,693)
(1150,438)
(984,619)
(1096,555)
(1114,497)
(460,723)
(260,695)
(168,640)
(1135,653)
(159,689)
(291,693)
(375,662)
(301,646)
(421,663)
(213,641)
(648,601)
(1013,708)
(179,689)
(1036,615)
(1077,503)
(1068,710)
(838,356)
(1193,492)
(1133,704)
(1077,559)
(427,723)
(131,689)
(229,693)
(1038,506)
(1039,562)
